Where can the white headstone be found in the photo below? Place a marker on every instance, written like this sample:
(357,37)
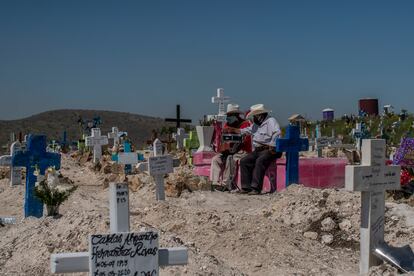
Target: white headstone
(96,141)
(220,99)
(179,138)
(372,178)
(127,158)
(15,172)
(119,207)
(114,135)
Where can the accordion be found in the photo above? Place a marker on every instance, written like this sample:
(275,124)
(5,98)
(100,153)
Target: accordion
(231,138)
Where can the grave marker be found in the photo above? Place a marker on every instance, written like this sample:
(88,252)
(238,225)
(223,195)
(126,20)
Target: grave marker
(179,138)
(114,135)
(178,119)
(33,156)
(127,157)
(7,220)
(157,166)
(372,178)
(292,144)
(96,141)
(119,225)
(6,160)
(220,99)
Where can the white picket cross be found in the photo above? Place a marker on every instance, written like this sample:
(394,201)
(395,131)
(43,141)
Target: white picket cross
(96,141)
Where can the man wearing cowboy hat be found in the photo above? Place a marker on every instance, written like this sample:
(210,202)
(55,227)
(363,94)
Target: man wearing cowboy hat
(223,164)
(264,131)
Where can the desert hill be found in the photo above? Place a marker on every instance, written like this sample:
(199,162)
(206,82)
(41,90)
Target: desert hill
(53,123)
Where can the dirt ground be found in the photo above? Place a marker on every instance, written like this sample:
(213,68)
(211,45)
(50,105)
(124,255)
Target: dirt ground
(299,231)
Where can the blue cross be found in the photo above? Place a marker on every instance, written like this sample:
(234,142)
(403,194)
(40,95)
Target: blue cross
(127,148)
(34,155)
(292,144)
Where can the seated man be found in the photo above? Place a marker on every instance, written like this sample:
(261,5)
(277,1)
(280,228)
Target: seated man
(265,130)
(223,164)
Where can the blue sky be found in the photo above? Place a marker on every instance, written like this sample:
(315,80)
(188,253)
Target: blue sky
(146,56)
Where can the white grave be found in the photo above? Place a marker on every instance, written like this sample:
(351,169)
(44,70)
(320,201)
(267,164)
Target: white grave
(221,100)
(179,138)
(96,141)
(15,172)
(120,234)
(7,220)
(372,178)
(158,166)
(114,135)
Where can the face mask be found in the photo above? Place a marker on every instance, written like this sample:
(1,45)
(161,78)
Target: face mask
(231,120)
(258,120)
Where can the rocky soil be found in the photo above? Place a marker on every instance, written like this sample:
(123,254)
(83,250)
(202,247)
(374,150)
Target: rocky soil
(299,231)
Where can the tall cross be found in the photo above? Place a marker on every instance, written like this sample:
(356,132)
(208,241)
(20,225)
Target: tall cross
(6,160)
(96,141)
(178,119)
(114,135)
(372,178)
(220,99)
(33,156)
(292,144)
(119,223)
(179,137)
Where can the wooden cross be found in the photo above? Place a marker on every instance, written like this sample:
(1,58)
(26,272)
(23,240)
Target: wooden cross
(6,160)
(372,178)
(119,223)
(158,166)
(96,141)
(33,156)
(292,144)
(178,119)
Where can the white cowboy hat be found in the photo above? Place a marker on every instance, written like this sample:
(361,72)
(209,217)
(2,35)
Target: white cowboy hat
(233,108)
(258,109)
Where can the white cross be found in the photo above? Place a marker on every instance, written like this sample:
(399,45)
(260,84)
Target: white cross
(96,141)
(158,166)
(119,223)
(179,138)
(220,99)
(127,158)
(114,135)
(372,178)
(15,172)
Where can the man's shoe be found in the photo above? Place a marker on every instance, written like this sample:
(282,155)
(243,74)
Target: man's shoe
(244,191)
(254,192)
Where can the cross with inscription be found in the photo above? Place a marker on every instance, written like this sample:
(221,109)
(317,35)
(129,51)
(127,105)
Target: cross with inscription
(96,141)
(120,229)
(372,178)
(158,166)
(127,157)
(292,144)
(6,160)
(178,119)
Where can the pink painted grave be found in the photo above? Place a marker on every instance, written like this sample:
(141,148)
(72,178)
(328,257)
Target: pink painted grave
(202,162)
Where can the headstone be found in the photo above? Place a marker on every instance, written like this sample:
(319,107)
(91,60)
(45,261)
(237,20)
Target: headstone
(292,144)
(114,135)
(6,160)
(179,138)
(178,119)
(372,178)
(158,166)
(96,141)
(220,99)
(99,259)
(33,156)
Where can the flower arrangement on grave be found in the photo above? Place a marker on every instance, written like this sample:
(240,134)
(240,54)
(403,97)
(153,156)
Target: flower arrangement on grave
(49,190)
(205,122)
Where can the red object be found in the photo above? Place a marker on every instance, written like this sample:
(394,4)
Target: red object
(405,177)
(369,106)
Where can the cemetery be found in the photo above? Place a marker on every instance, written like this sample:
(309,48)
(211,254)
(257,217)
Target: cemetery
(321,211)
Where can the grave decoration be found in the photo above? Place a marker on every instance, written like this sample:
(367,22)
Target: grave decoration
(178,120)
(34,156)
(191,144)
(372,178)
(292,144)
(6,160)
(158,166)
(7,220)
(179,138)
(100,260)
(96,141)
(50,192)
(405,153)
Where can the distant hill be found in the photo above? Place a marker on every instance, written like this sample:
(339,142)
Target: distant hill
(53,123)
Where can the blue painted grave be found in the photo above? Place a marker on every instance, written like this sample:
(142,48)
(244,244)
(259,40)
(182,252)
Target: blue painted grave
(292,144)
(35,155)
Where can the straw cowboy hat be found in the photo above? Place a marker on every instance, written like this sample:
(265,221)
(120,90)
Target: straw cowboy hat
(233,108)
(258,109)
